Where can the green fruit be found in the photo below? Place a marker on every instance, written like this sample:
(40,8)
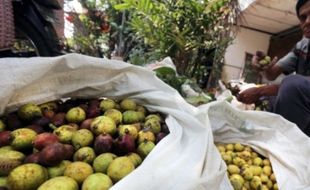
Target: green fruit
(128,129)
(141,109)
(157,116)
(65,133)
(49,106)
(145,148)
(247,174)
(59,169)
(238,147)
(130,116)
(227,158)
(144,135)
(27,177)
(135,158)
(75,115)
(97,181)
(2,126)
(263,62)
(9,160)
(128,104)
(119,168)
(236,181)
(153,124)
(103,125)
(60,183)
(82,138)
(233,169)
(3,182)
(256,183)
(29,112)
(79,171)
(114,114)
(6,148)
(22,138)
(267,58)
(258,161)
(85,154)
(107,104)
(102,162)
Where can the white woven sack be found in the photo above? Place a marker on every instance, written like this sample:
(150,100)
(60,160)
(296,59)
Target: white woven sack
(270,135)
(186,159)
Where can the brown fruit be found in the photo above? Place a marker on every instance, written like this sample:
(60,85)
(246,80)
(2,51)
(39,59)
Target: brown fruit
(33,158)
(44,139)
(59,119)
(52,154)
(5,138)
(103,143)
(86,124)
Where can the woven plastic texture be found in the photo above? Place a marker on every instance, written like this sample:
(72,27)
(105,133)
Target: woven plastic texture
(6,24)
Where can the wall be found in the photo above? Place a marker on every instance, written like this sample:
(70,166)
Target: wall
(246,41)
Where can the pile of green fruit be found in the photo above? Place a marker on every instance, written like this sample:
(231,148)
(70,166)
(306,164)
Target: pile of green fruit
(246,169)
(263,59)
(76,144)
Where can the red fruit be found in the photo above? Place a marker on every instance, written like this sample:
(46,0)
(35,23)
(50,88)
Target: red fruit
(14,122)
(33,158)
(5,138)
(103,143)
(93,111)
(69,151)
(164,128)
(94,102)
(49,114)
(59,119)
(37,128)
(160,136)
(44,139)
(86,124)
(124,145)
(52,154)
(42,121)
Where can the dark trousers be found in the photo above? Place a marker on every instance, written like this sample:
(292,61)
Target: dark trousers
(293,101)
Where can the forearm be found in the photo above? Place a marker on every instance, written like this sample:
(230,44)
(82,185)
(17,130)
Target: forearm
(273,72)
(269,90)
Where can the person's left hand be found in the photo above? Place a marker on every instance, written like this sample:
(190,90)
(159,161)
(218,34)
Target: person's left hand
(249,96)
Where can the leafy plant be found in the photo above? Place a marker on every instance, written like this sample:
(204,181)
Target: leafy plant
(190,31)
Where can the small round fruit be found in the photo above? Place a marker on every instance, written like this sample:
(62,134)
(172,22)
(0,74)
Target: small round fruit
(106,104)
(27,177)
(102,162)
(145,148)
(29,112)
(60,183)
(119,168)
(135,158)
(97,181)
(103,125)
(22,138)
(128,104)
(79,171)
(75,115)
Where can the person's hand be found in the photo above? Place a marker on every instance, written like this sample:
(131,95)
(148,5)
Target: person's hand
(259,63)
(249,96)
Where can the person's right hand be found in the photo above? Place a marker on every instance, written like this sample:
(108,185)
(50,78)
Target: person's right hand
(260,67)
(249,96)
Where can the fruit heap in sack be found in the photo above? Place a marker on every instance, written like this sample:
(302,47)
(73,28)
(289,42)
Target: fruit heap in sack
(76,144)
(246,169)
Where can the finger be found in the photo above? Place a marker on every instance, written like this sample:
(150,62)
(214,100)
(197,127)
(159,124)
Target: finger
(274,60)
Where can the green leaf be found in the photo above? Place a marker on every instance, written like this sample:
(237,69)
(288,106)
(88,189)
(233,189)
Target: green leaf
(165,71)
(122,6)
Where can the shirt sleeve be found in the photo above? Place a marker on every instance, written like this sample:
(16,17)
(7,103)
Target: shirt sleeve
(288,62)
